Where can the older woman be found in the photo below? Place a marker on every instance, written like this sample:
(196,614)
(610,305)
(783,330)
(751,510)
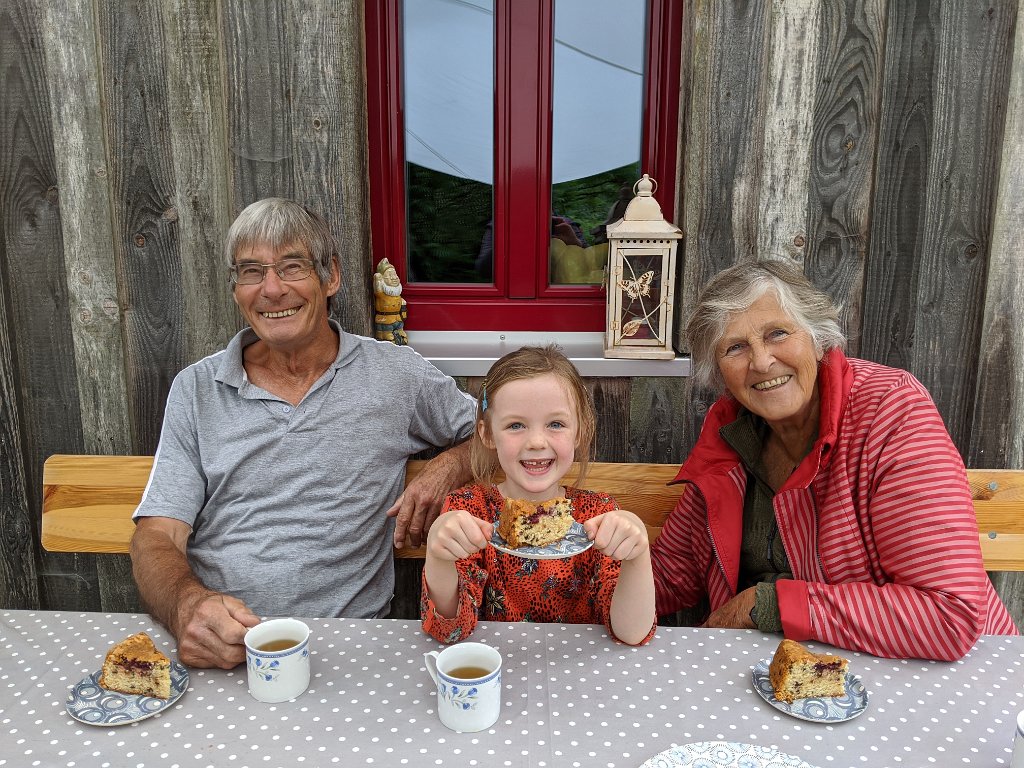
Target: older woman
(826,499)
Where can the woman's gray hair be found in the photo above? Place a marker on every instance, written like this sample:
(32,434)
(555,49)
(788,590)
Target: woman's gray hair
(734,290)
(279,223)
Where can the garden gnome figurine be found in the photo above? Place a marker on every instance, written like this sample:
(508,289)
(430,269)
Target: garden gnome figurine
(389,322)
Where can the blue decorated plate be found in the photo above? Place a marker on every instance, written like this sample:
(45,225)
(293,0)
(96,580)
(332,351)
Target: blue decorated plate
(724,754)
(89,703)
(824,710)
(575,541)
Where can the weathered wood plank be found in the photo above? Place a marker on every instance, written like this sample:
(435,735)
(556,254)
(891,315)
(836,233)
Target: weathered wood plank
(328,119)
(611,406)
(38,353)
(973,52)
(791,65)
(997,424)
(198,136)
(997,428)
(19,586)
(146,221)
(257,92)
(118,593)
(678,215)
(663,426)
(892,271)
(845,132)
(724,124)
(69,40)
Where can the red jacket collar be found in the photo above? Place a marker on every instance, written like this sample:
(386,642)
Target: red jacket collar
(713,455)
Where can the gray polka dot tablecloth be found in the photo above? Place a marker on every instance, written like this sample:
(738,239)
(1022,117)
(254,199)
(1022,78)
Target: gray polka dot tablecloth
(572,697)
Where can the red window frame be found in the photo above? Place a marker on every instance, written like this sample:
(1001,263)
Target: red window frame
(519,298)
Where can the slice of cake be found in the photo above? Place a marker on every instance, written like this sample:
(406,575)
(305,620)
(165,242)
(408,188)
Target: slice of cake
(136,666)
(534,523)
(796,673)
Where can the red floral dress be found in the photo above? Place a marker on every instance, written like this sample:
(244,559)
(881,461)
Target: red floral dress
(494,586)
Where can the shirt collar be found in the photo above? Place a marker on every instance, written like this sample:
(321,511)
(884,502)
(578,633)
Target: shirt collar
(231,370)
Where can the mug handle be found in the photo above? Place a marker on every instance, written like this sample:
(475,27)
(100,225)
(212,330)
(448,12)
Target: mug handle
(430,659)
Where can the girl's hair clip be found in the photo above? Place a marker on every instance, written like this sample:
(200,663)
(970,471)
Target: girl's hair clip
(483,397)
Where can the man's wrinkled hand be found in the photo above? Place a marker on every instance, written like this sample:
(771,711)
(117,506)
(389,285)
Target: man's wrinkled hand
(415,511)
(211,630)
(420,504)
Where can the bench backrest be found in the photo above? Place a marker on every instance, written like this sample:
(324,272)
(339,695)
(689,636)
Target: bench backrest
(88,503)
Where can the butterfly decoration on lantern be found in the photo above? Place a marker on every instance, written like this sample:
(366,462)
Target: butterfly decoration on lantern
(637,289)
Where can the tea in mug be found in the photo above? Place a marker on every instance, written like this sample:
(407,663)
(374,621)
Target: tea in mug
(276,645)
(468,673)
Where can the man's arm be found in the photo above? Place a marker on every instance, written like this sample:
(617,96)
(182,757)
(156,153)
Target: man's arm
(208,625)
(420,504)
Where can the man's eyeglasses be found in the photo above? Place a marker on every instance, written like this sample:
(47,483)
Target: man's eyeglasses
(289,270)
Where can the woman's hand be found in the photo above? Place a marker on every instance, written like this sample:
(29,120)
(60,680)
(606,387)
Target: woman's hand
(736,613)
(618,534)
(457,534)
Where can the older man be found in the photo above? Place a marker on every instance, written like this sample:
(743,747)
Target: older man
(281,461)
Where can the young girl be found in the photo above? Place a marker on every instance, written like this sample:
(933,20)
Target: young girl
(534,419)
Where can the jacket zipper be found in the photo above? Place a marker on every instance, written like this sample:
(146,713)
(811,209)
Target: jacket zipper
(817,535)
(714,550)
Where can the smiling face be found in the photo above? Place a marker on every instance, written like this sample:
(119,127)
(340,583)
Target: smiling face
(287,316)
(770,364)
(531,424)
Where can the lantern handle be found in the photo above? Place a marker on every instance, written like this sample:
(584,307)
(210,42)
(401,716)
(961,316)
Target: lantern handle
(648,186)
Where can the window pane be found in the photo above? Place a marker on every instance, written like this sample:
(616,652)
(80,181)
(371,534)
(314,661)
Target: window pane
(599,55)
(448,86)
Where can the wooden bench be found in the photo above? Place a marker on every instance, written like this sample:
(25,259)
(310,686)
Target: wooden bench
(88,503)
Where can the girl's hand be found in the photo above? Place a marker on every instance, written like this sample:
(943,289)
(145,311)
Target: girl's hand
(457,534)
(619,534)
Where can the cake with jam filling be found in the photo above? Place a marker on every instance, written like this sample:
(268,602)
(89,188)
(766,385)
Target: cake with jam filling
(136,666)
(797,673)
(534,523)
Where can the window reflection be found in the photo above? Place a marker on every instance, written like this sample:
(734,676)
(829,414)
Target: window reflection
(448,86)
(598,87)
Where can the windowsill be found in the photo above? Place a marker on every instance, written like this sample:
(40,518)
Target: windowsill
(471,353)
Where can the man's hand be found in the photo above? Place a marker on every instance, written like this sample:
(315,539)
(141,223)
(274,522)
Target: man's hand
(736,613)
(420,504)
(210,628)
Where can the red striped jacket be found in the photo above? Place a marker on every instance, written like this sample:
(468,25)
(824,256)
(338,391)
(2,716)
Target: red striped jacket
(877,523)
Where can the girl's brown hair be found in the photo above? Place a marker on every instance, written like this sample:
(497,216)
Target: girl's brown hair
(529,363)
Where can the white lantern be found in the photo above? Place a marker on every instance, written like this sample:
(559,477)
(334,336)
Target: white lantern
(641,279)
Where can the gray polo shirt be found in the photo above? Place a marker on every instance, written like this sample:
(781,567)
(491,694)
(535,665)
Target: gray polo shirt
(286,503)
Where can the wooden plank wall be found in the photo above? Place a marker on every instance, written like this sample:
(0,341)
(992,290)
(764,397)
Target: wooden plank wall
(878,143)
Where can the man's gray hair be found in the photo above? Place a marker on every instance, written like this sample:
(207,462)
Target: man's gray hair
(279,223)
(734,290)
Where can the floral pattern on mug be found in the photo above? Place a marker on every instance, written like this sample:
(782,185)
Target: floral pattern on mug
(267,670)
(460,696)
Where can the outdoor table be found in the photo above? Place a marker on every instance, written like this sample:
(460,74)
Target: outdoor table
(572,697)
